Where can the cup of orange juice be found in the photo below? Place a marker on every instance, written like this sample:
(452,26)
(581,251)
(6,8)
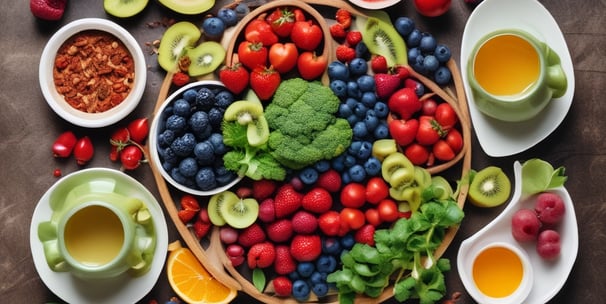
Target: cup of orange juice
(96,233)
(513,75)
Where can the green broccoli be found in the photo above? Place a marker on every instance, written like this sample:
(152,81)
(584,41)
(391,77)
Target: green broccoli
(304,129)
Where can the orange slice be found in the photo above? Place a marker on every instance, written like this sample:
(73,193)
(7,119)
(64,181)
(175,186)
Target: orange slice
(191,281)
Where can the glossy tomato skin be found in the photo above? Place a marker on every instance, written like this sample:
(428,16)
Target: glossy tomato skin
(432,8)
(306,35)
(353,195)
(376,190)
(64,144)
(131,157)
(373,217)
(446,115)
(353,218)
(283,56)
(311,66)
(138,129)
(259,30)
(252,54)
(388,210)
(84,150)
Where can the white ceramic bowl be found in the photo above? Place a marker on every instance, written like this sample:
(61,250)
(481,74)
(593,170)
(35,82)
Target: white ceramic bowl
(58,103)
(158,126)
(374,4)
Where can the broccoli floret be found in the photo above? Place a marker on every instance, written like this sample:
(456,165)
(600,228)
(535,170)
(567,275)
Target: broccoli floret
(304,128)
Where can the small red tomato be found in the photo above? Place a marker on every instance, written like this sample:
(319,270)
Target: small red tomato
(64,144)
(330,223)
(442,151)
(454,140)
(432,8)
(376,190)
(429,107)
(130,157)
(372,217)
(446,116)
(311,66)
(252,54)
(306,35)
(417,154)
(139,129)
(388,210)
(299,14)
(353,195)
(429,131)
(83,151)
(353,218)
(283,56)
(403,131)
(259,30)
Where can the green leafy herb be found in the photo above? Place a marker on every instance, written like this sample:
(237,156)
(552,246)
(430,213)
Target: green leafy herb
(539,175)
(258,278)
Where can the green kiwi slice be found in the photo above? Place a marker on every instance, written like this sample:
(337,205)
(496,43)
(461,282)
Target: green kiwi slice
(243,111)
(188,7)
(381,38)
(174,43)
(240,213)
(205,58)
(257,132)
(490,187)
(214,206)
(124,8)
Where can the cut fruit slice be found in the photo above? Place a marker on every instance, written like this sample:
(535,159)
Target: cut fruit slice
(191,281)
(174,43)
(188,7)
(205,58)
(214,206)
(383,147)
(124,8)
(243,111)
(257,132)
(490,187)
(383,39)
(392,163)
(241,213)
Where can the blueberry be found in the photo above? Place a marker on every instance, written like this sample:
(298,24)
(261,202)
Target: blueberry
(352,119)
(414,38)
(322,166)
(360,110)
(349,161)
(372,166)
(345,110)
(176,123)
(181,107)
(169,156)
(364,151)
(242,9)
(404,26)
(166,138)
(418,65)
(417,86)
(190,95)
(331,245)
(215,117)
(228,15)
(188,167)
(199,122)
(300,290)
(326,263)
(225,178)
(205,98)
(347,241)
(366,83)
(381,109)
(338,71)
(369,99)
(359,130)
(338,163)
(371,121)
(428,43)
(177,176)
(216,140)
(205,153)
(442,76)
(357,173)
(167,166)
(223,99)
(184,145)
(353,90)
(345,178)
(413,53)
(358,66)
(213,27)
(339,87)
(205,179)
(431,63)
(317,277)
(354,147)
(308,175)
(442,53)
(381,131)
(320,289)
(305,269)
(362,51)
(293,276)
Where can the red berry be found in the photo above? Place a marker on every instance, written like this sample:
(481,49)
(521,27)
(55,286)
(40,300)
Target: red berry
(261,255)
(251,235)
(83,151)
(284,263)
(365,235)
(330,180)
(201,228)
(64,144)
(180,79)
(306,248)
(282,286)
(304,222)
(345,53)
(280,230)
(317,200)
(337,31)
(57,172)
(287,201)
(378,64)
(353,38)
(263,189)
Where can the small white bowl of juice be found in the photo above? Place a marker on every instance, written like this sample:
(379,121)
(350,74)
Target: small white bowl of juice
(498,273)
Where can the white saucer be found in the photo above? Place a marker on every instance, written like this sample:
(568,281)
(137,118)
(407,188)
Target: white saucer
(374,4)
(499,138)
(122,289)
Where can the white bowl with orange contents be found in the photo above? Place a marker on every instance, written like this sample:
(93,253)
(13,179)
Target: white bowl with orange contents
(92,72)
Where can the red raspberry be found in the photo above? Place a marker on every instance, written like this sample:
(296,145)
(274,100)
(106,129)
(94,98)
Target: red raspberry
(345,53)
(337,31)
(180,79)
(304,222)
(353,38)
(261,255)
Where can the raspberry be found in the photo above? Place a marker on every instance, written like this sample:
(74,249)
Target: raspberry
(345,53)
(180,79)
(304,222)
(343,17)
(337,31)
(353,38)
(261,255)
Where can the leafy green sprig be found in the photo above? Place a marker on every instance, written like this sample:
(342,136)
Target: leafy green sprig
(404,251)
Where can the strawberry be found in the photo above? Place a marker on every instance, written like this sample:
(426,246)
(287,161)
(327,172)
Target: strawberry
(201,228)
(305,248)
(264,82)
(317,200)
(353,38)
(263,189)
(234,77)
(282,286)
(244,192)
(337,31)
(267,212)
(186,215)
(251,235)
(330,223)
(261,255)
(365,235)
(330,180)
(280,230)
(48,9)
(401,71)
(189,202)
(180,79)
(287,201)
(343,17)
(304,222)
(345,53)
(284,263)
(378,64)
(386,84)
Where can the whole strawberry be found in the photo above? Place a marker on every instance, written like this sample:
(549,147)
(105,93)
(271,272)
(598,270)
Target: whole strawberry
(317,200)
(264,82)
(287,201)
(284,263)
(263,189)
(261,255)
(386,85)
(365,235)
(306,248)
(330,180)
(234,77)
(282,286)
(280,230)
(304,222)
(251,235)
(48,9)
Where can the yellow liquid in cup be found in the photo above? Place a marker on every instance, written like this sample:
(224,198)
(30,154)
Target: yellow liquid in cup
(506,65)
(94,236)
(497,272)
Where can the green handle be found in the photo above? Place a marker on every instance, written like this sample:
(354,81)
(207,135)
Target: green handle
(556,78)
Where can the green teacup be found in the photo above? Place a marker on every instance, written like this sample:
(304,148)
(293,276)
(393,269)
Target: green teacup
(95,233)
(513,75)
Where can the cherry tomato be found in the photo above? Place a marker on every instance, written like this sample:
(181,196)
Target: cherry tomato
(372,217)
(442,151)
(417,154)
(138,129)
(252,54)
(282,20)
(429,131)
(64,144)
(376,190)
(330,223)
(83,151)
(310,65)
(403,131)
(306,35)
(353,218)
(429,107)
(299,14)
(259,30)
(432,8)
(283,56)
(446,116)
(455,140)
(353,195)
(130,157)
(388,210)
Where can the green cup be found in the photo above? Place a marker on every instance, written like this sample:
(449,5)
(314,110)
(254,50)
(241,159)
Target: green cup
(97,234)
(513,76)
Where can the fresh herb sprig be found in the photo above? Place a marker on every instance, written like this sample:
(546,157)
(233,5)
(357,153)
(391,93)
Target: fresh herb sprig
(404,251)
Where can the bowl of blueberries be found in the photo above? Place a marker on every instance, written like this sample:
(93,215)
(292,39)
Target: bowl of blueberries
(186,143)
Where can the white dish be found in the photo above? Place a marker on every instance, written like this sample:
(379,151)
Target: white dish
(548,276)
(499,138)
(374,4)
(122,289)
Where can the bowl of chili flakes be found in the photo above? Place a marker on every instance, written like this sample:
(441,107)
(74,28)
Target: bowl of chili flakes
(92,72)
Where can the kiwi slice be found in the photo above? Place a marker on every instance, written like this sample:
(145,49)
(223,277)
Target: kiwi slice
(124,8)
(205,58)
(188,7)
(214,206)
(490,187)
(243,111)
(174,43)
(240,213)
(392,163)
(381,148)
(257,131)
(381,38)
(442,187)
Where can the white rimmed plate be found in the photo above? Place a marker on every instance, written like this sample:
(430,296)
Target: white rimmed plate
(122,289)
(374,4)
(499,138)
(548,276)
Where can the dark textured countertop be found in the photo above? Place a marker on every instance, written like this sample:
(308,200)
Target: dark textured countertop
(28,127)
